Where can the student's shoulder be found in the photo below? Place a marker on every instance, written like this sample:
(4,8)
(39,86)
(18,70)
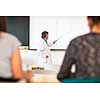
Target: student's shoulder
(9,35)
(10,38)
(80,38)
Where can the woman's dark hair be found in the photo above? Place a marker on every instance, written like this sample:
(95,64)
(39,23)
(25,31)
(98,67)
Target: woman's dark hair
(3,23)
(44,33)
(94,19)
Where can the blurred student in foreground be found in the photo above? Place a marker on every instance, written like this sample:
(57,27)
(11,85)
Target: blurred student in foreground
(10,60)
(84,53)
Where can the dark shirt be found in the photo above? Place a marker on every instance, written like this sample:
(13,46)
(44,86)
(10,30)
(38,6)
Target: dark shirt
(84,53)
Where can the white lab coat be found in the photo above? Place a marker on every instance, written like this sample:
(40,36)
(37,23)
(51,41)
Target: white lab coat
(43,51)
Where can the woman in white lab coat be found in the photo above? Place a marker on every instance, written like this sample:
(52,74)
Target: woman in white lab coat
(43,51)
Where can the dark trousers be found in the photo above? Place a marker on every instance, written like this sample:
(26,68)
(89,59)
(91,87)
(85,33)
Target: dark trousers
(8,80)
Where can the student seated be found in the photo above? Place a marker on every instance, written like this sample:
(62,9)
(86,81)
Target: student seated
(84,52)
(10,60)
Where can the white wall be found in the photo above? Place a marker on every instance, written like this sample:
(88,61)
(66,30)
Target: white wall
(29,57)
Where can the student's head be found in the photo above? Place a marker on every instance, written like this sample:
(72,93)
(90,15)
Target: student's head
(93,21)
(45,35)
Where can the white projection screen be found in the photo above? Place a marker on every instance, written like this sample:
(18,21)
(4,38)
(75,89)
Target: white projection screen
(64,28)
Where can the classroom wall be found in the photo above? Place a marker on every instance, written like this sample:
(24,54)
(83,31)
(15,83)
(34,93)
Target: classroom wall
(29,57)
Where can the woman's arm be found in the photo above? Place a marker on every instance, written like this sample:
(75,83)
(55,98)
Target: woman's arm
(16,65)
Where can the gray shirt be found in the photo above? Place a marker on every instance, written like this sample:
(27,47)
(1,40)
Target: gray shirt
(8,44)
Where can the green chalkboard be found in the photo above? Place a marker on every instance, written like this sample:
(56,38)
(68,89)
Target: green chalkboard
(19,26)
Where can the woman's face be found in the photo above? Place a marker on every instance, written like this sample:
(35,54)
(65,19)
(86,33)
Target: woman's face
(46,37)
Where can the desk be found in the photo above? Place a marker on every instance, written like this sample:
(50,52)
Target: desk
(44,76)
(48,75)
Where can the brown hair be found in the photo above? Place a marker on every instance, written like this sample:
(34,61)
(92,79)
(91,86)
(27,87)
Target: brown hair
(3,23)
(94,19)
(44,33)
